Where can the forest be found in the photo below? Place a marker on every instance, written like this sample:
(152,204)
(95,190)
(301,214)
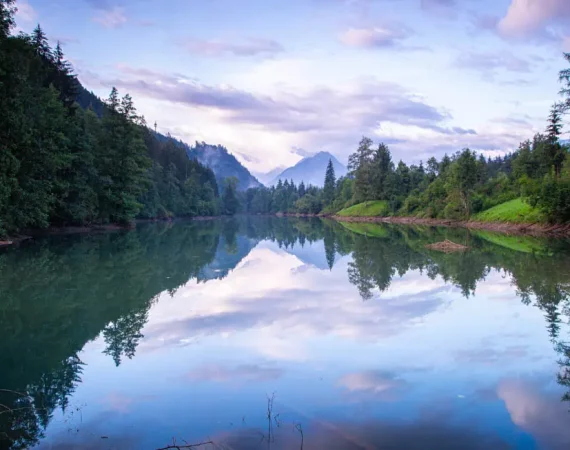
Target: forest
(68,159)
(531,184)
(61,164)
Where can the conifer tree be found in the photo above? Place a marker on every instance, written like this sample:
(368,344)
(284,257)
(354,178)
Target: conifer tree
(330,183)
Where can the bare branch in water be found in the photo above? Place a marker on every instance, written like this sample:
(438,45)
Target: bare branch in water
(185,446)
(300,430)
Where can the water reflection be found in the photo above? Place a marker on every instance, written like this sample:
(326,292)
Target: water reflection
(222,313)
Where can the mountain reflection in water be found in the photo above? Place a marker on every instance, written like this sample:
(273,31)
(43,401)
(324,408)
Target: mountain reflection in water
(363,338)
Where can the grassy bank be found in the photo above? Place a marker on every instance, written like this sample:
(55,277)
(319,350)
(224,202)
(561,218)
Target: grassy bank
(377,208)
(367,229)
(514,211)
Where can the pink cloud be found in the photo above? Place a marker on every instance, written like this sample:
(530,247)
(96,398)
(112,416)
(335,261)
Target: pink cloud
(112,18)
(525,17)
(26,12)
(373,37)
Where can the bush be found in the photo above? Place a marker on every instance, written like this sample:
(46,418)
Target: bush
(454,210)
(554,198)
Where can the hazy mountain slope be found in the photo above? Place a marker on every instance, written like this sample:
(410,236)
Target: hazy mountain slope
(216,157)
(223,163)
(311,170)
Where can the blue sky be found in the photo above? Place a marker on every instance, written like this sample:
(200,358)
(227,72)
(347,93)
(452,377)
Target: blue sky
(273,79)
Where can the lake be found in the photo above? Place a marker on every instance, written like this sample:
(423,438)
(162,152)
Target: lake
(284,333)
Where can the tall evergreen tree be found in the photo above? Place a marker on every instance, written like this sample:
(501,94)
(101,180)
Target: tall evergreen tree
(360,168)
(330,183)
(554,151)
(382,172)
(230,201)
(41,44)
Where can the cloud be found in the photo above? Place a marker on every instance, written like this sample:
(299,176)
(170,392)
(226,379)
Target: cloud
(283,318)
(374,384)
(489,63)
(301,152)
(492,356)
(315,118)
(251,47)
(444,8)
(437,430)
(528,17)
(363,105)
(377,37)
(537,412)
(240,373)
(111,18)
(26,12)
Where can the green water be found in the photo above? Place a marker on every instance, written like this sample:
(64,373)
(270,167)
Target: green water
(362,337)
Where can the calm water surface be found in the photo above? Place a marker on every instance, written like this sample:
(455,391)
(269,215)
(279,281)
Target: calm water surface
(260,333)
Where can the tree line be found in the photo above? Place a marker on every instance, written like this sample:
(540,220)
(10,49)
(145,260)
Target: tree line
(456,186)
(61,164)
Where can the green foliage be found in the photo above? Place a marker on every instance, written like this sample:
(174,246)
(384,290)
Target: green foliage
(375,208)
(367,229)
(513,211)
(330,184)
(309,204)
(230,202)
(524,244)
(61,165)
(360,166)
(554,198)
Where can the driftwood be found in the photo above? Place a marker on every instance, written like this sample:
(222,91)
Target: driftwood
(447,247)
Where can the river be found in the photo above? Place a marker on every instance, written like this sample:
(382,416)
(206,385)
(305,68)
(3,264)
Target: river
(285,333)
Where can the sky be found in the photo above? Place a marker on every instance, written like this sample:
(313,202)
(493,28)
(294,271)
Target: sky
(276,80)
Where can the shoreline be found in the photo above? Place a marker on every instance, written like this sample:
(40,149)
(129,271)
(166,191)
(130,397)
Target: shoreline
(531,229)
(68,230)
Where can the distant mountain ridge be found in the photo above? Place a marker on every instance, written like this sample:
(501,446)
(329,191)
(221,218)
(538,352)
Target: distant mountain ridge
(267,177)
(216,157)
(311,170)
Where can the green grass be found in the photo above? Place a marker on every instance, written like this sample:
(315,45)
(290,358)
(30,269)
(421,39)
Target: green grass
(376,208)
(514,211)
(367,229)
(524,244)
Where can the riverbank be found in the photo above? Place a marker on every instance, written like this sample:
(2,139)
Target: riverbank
(61,231)
(537,229)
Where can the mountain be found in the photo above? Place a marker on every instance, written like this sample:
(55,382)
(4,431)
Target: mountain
(216,157)
(311,170)
(223,163)
(228,256)
(268,177)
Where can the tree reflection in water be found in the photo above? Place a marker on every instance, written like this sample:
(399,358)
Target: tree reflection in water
(58,294)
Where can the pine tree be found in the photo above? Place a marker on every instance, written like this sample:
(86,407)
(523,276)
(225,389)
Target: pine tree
(555,152)
(40,44)
(7,12)
(330,183)
(360,167)
(382,172)
(230,202)
(64,79)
